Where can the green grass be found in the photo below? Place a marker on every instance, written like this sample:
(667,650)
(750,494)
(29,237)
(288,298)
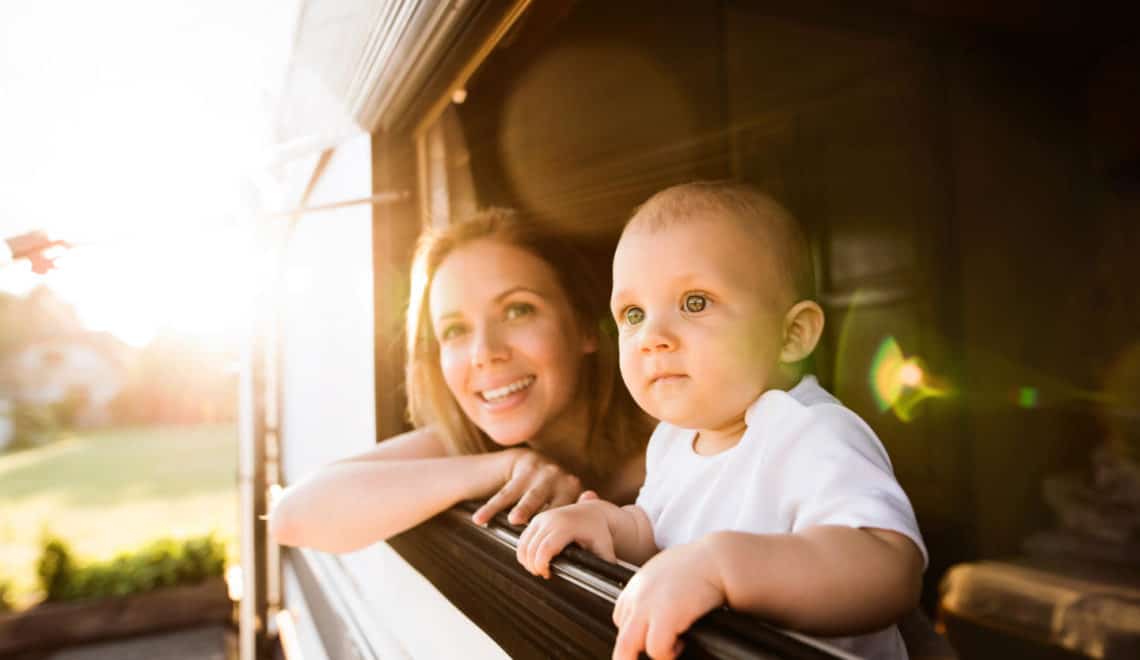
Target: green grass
(112,490)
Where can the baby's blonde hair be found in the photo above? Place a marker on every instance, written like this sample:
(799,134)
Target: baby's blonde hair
(617,428)
(759,212)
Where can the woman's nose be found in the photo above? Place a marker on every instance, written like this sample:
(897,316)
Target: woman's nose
(489,348)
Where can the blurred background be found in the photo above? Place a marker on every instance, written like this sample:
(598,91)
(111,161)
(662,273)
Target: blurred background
(130,130)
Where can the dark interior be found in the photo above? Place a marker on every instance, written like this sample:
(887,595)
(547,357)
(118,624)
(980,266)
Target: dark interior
(969,176)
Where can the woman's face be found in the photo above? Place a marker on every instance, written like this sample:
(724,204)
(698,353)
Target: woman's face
(510,347)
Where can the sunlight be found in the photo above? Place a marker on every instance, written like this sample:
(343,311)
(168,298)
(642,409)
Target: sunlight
(140,161)
(197,284)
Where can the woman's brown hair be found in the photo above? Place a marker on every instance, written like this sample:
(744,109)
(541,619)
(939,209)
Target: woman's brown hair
(617,428)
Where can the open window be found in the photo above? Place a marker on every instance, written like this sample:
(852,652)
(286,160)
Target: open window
(941,159)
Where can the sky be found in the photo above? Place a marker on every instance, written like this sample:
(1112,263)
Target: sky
(132,128)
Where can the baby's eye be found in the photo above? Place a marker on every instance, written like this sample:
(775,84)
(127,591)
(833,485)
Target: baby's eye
(518,309)
(451,331)
(696,302)
(634,315)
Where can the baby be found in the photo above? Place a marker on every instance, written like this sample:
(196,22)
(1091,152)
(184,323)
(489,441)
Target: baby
(762,491)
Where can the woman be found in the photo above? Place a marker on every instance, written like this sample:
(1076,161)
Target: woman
(513,388)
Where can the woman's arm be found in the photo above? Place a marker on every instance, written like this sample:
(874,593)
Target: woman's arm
(396,485)
(404,481)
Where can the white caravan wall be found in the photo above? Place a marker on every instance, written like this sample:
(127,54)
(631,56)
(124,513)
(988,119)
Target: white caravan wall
(328,411)
(328,401)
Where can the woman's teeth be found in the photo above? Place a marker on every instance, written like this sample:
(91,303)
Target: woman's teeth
(500,392)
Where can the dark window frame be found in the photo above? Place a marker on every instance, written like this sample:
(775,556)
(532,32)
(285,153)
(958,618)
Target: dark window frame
(569,615)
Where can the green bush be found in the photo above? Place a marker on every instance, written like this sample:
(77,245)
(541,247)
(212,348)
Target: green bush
(34,425)
(56,567)
(161,563)
(5,592)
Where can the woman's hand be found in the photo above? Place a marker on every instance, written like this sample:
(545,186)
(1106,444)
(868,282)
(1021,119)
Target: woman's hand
(533,483)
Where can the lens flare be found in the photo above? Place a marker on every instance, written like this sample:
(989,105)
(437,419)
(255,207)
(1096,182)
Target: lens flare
(601,160)
(910,374)
(899,383)
(885,366)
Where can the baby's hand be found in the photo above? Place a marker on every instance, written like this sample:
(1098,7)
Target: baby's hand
(585,523)
(671,591)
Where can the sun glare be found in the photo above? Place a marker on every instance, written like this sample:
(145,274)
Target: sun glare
(140,160)
(196,285)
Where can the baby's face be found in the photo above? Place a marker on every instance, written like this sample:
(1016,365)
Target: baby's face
(699,308)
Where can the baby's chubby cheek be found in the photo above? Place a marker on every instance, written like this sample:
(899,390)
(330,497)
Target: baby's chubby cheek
(646,401)
(635,381)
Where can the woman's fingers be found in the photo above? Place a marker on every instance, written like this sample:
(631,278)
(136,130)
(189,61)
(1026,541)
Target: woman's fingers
(566,493)
(537,483)
(531,502)
(507,495)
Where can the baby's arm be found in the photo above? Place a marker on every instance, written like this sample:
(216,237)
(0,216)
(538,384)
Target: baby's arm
(601,527)
(826,580)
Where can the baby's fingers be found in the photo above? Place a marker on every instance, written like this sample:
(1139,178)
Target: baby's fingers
(625,605)
(602,546)
(661,641)
(530,542)
(618,615)
(588,495)
(630,639)
(550,545)
(525,547)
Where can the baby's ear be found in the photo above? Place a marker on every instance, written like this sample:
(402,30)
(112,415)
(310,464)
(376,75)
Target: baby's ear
(803,326)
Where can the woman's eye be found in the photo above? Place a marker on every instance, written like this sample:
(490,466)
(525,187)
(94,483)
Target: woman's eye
(516,310)
(696,302)
(450,332)
(634,315)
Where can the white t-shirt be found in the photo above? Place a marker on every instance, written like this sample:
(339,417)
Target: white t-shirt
(804,460)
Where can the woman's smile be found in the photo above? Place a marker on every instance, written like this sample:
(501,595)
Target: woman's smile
(506,395)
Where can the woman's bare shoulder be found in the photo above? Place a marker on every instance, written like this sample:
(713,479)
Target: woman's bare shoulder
(423,442)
